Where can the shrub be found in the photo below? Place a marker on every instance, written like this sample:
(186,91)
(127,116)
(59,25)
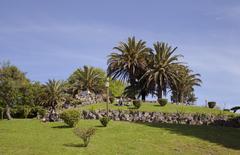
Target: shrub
(85,134)
(42,112)
(137,104)
(70,117)
(26,111)
(76,102)
(111,99)
(162,101)
(104,120)
(211,104)
(38,111)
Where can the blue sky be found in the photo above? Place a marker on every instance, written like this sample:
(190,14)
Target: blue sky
(50,39)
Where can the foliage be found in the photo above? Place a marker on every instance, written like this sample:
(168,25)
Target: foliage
(111,99)
(211,104)
(116,88)
(40,111)
(128,62)
(137,104)
(76,102)
(162,66)
(70,117)
(85,134)
(54,94)
(183,88)
(152,71)
(87,78)
(105,120)
(26,111)
(162,101)
(12,85)
(36,94)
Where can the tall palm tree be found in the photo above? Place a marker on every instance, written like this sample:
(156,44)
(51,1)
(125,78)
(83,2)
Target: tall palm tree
(161,68)
(54,93)
(184,86)
(128,63)
(88,79)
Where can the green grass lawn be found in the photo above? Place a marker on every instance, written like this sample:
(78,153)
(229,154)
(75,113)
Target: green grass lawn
(154,107)
(34,137)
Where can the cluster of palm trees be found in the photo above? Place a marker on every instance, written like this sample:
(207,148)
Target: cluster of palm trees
(147,71)
(154,71)
(86,78)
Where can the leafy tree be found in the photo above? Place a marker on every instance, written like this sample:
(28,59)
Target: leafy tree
(38,93)
(12,84)
(128,63)
(162,68)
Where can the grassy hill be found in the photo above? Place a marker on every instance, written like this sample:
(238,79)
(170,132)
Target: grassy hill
(34,137)
(154,107)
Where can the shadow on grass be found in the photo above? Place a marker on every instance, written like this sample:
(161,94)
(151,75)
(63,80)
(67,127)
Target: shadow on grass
(157,105)
(225,136)
(99,126)
(74,145)
(61,127)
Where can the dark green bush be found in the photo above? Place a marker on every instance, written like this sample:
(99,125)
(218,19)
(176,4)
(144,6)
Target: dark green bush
(211,104)
(70,117)
(104,120)
(85,134)
(76,102)
(137,104)
(38,111)
(111,99)
(26,111)
(17,112)
(162,101)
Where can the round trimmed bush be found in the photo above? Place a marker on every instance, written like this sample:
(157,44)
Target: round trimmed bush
(104,120)
(111,99)
(211,104)
(162,102)
(137,104)
(70,117)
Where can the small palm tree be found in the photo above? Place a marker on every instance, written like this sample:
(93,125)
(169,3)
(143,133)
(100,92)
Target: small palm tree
(161,67)
(88,79)
(184,86)
(54,94)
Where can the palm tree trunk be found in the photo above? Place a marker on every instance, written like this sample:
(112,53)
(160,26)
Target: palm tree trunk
(8,112)
(143,94)
(160,90)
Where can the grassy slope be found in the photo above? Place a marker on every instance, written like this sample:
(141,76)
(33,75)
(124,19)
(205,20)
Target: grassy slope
(155,107)
(33,137)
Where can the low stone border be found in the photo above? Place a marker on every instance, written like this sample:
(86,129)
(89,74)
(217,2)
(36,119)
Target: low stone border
(159,117)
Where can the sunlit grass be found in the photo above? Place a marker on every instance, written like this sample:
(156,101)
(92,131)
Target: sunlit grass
(27,137)
(154,107)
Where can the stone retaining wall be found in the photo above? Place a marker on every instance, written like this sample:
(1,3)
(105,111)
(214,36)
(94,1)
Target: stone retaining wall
(159,117)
